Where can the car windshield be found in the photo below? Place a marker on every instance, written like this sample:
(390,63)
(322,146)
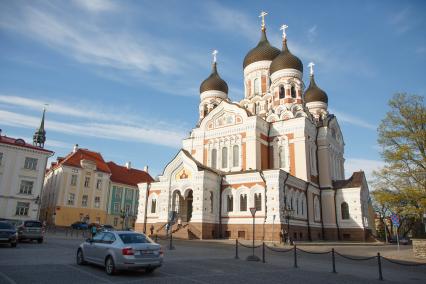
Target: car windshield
(6,226)
(32,224)
(134,238)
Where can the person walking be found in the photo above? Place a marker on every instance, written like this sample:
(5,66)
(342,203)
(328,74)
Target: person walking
(152,230)
(93,230)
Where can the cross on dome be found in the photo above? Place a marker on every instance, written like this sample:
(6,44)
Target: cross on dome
(214,53)
(262,15)
(311,68)
(283,28)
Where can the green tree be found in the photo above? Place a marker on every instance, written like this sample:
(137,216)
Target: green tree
(400,186)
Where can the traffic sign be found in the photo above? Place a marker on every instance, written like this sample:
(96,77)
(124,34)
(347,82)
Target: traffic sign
(395,220)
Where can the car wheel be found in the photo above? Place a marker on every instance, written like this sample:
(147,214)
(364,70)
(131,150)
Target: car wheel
(109,266)
(80,257)
(150,270)
(40,241)
(13,244)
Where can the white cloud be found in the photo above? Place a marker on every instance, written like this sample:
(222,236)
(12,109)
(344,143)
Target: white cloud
(96,5)
(312,33)
(368,166)
(353,120)
(113,131)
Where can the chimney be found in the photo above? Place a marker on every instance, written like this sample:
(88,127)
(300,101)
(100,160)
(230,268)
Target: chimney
(145,168)
(129,165)
(75,148)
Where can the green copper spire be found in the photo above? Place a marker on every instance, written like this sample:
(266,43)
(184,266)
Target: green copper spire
(40,135)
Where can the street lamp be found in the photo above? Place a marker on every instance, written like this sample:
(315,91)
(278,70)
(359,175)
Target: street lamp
(123,216)
(288,214)
(273,225)
(253,257)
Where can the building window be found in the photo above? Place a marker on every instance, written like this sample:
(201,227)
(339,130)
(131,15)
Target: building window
(115,221)
(86,181)
(317,209)
(129,194)
(98,184)
(153,205)
(282,92)
(116,207)
(293,92)
(283,162)
(73,179)
(214,158)
(258,201)
(22,208)
(297,206)
(257,106)
(97,202)
(84,201)
(256,86)
(345,211)
(235,156)
(127,209)
(211,202)
(224,157)
(118,193)
(71,198)
(30,164)
(230,203)
(243,202)
(26,187)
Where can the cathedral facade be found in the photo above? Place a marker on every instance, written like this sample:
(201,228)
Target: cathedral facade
(278,151)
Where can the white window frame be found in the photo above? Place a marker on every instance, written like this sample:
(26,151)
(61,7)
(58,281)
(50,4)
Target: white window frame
(74,179)
(84,200)
(86,182)
(30,163)
(26,189)
(71,199)
(97,202)
(22,208)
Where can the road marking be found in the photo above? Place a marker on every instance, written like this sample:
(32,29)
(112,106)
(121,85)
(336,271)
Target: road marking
(90,274)
(8,279)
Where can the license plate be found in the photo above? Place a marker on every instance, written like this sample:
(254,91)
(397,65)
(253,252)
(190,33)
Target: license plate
(147,252)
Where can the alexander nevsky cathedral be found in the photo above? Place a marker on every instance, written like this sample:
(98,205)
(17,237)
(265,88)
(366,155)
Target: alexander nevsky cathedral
(278,151)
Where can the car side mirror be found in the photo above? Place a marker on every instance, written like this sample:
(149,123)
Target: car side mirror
(89,240)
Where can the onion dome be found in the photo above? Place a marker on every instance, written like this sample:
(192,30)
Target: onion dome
(314,93)
(263,51)
(285,60)
(214,82)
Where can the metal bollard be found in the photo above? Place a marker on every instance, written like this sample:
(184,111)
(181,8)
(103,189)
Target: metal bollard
(295,256)
(333,259)
(379,263)
(236,249)
(171,242)
(263,252)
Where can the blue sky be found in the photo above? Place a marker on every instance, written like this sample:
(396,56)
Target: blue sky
(122,77)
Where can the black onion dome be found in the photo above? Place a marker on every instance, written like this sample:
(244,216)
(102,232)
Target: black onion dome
(285,60)
(263,51)
(214,82)
(314,93)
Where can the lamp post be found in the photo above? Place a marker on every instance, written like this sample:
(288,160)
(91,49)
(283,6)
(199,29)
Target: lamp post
(253,257)
(288,214)
(273,225)
(123,216)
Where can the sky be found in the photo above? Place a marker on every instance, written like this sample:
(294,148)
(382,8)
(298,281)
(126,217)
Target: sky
(122,77)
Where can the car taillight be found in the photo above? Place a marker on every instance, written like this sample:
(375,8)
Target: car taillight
(127,251)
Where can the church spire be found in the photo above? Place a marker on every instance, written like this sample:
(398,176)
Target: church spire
(40,135)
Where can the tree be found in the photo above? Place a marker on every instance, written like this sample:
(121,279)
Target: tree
(400,186)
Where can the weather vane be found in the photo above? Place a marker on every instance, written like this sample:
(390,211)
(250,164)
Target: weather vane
(45,106)
(214,53)
(283,28)
(262,15)
(311,68)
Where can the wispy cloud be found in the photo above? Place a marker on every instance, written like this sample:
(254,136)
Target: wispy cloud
(97,5)
(368,166)
(403,21)
(312,33)
(353,120)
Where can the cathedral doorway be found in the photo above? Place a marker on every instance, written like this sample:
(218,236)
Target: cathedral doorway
(188,201)
(183,204)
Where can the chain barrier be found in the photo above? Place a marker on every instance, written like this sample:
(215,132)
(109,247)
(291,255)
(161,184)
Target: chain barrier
(402,263)
(246,246)
(278,249)
(313,252)
(354,258)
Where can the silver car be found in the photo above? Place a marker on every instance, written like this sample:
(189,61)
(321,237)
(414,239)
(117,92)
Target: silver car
(121,250)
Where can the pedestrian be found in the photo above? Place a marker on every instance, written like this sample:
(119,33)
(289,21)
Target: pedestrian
(281,236)
(152,229)
(179,222)
(93,230)
(167,228)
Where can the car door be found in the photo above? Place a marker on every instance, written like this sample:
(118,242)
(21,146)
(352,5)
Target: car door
(102,248)
(91,247)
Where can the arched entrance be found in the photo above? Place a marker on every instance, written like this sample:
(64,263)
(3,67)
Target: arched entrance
(188,201)
(183,204)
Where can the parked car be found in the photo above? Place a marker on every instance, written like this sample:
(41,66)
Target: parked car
(8,234)
(31,230)
(79,225)
(121,250)
(106,227)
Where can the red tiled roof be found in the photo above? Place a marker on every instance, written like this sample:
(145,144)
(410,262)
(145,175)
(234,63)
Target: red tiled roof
(73,160)
(127,176)
(19,142)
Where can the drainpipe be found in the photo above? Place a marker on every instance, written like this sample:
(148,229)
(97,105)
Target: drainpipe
(148,187)
(319,185)
(266,191)
(285,198)
(307,212)
(220,206)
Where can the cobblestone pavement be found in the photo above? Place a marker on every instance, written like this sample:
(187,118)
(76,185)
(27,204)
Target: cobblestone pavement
(200,262)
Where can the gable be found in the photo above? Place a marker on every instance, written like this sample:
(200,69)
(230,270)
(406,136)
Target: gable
(180,168)
(224,115)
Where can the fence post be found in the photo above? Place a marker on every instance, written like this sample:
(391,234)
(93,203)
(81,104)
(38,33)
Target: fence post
(171,242)
(66,232)
(333,258)
(263,252)
(379,263)
(236,249)
(295,255)
(156,238)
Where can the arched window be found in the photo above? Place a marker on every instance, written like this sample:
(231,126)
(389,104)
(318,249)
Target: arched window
(243,202)
(214,158)
(302,206)
(258,201)
(282,92)
(317,209)
(153,205)
(257,107)
(297,205)
(235,156)
(211,202)
(345,211)
(291,203)
(256,86)
(224,157)
(293,92)
(230,203)
(283,159)
(205,111)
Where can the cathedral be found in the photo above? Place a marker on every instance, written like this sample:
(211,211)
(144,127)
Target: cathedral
(277,153)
